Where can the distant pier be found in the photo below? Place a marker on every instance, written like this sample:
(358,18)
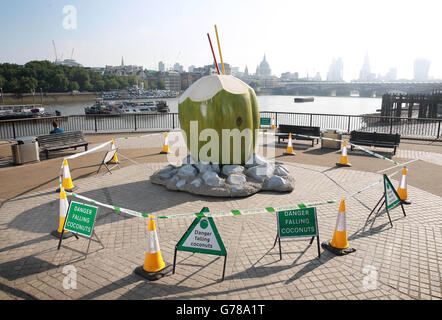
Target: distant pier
(428,106)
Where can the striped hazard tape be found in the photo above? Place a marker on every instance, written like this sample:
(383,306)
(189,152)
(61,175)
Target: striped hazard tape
(234,212)
(332,139)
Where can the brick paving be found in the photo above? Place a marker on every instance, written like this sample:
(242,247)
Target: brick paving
(403,262)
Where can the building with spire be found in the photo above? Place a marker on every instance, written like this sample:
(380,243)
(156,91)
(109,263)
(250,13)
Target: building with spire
(365,73)
(123,70)
(263,69)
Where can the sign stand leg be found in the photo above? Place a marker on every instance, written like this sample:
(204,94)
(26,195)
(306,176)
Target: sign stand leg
(224,267)
(319,247)
(388,214)
(90,239)
(403,210)
(174,260)
(61,236)
(375,207)
(276,239)
(280,251)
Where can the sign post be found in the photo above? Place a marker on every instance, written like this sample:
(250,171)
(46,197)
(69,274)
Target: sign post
(202,236)
(80,221)
(108,157)
(390,198)
(297,223)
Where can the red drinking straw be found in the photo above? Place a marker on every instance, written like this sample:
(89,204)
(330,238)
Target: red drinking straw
(213,53)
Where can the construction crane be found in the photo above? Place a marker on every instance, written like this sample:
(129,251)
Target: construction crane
(55,51)
(72,53)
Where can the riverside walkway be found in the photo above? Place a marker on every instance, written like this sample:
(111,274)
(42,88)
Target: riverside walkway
(402,262)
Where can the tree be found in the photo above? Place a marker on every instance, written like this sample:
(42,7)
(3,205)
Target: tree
(99,85)
(73,85)
(12,86)
(2,81)
(132,80)
(152,85)
(111,84)
(87,86)
(27,84)
(123,82)
(161,85)
(60,83)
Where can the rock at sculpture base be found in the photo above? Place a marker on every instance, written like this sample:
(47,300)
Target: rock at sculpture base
(225,180)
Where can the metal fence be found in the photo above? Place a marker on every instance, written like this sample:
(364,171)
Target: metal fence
(406,127)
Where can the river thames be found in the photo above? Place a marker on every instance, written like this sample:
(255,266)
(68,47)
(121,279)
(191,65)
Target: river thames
(325,105)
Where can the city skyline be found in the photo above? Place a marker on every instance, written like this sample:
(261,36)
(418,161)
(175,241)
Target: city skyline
(175,32)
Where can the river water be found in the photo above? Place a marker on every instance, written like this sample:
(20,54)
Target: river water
(327,105)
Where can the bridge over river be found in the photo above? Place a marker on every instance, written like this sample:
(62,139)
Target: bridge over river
(365,89)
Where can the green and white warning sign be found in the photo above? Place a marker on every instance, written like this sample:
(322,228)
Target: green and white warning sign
(81,218)
(297,223)
(391,197)
(203,237)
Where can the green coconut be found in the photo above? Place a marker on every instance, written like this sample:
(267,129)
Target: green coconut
(229,107)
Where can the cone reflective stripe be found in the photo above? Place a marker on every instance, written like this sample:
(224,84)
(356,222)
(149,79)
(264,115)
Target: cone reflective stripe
(402,190)
(166,148)
(289,150)
(343,160)
(153,261)
(273,123)
(67,180)
(339,239)
(63,210)
(115,157)
(64,204)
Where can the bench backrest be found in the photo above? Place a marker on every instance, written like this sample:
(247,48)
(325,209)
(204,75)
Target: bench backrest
(375,137)
(64,138)
(304,130)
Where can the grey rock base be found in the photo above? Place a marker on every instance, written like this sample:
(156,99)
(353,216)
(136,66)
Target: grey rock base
(225,180)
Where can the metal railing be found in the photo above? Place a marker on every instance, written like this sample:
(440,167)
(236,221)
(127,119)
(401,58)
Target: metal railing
(406,127)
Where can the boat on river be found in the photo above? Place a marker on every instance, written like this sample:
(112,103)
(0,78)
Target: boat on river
(10,112)
(125,107)
(304,99)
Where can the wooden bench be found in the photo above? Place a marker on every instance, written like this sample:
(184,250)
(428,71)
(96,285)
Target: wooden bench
(375,139)
(60,141)
(285,129)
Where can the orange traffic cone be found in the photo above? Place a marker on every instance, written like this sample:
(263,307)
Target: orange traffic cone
(289,151)
(339,243)
(402,190)
(154,266)
(67,180)
(114,159)
(63,209)
(343,161)
(166,148)
(272,126)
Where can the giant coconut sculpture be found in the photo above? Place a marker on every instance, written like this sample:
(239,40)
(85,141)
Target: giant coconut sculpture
(219,118)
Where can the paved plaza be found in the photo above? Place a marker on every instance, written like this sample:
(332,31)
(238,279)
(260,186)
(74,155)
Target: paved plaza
(399,262)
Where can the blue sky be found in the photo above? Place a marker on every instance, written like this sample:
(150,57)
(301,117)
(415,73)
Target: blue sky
(296,36)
